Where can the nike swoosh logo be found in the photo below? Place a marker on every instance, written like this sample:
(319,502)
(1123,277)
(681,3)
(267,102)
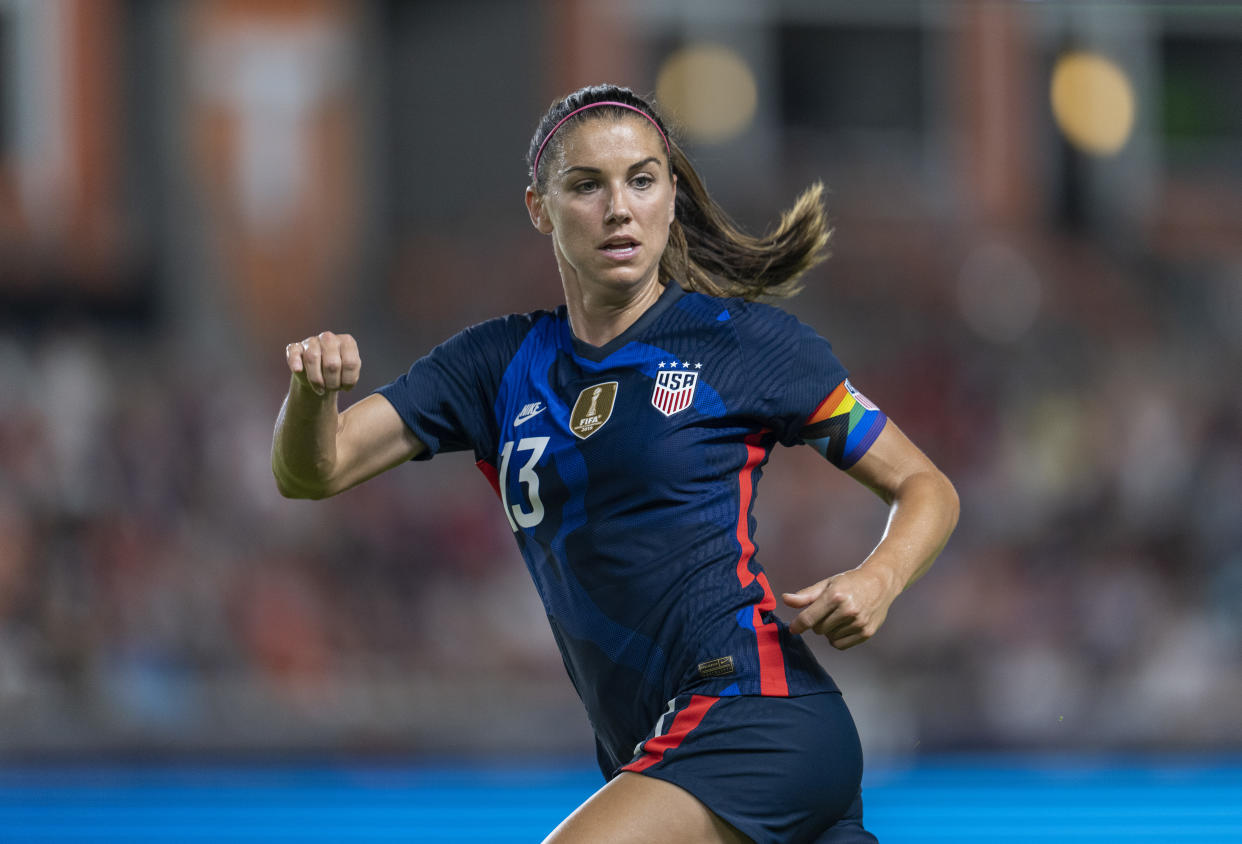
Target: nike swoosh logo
(526,417)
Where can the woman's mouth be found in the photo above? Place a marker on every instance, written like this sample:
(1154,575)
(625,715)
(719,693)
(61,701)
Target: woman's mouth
(620,248)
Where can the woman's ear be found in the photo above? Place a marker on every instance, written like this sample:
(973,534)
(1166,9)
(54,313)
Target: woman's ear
(538,214)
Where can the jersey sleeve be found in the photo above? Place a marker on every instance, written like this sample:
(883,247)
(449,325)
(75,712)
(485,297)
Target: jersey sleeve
(446,397)
(812,400)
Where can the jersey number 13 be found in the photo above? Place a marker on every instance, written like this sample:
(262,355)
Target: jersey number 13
(526,475)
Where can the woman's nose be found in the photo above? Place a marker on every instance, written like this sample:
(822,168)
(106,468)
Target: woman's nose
(618,208)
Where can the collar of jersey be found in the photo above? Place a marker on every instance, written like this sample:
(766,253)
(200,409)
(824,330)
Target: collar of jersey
(672,292)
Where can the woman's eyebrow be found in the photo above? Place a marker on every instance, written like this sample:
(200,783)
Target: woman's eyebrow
(648,160)
(586,169)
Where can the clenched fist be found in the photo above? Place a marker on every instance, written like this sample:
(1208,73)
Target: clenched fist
(325,363)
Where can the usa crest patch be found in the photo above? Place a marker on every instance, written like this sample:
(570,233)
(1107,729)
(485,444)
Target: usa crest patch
(674,391)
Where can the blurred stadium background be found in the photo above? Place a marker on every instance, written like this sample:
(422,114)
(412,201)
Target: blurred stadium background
(1037,272)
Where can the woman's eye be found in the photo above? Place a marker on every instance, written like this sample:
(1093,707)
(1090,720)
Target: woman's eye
(585,187)
(643,181)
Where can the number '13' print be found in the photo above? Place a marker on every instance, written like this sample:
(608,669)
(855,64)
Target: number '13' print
(526,475)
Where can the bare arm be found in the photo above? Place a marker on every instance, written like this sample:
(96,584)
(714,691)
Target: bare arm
(923,505)
(318,451)
(849,607)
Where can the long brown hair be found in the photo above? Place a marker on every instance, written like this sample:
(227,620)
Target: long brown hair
(707,251)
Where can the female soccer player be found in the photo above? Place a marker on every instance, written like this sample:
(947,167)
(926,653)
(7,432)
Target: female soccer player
(625,433)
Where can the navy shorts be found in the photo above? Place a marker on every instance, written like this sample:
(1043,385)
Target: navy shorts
(779,769)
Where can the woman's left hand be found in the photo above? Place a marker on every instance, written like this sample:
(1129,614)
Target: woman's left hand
(848,608)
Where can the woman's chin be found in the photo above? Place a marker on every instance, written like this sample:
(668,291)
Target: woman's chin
(628,275)
(617,280)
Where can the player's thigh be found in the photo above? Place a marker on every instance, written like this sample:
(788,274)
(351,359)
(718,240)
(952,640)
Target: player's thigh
(636,809)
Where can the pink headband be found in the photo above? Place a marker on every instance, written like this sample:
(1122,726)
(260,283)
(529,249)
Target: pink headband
(595,105)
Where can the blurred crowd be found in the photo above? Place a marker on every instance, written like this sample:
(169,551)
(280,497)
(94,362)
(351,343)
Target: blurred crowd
(1058,325)
(156,591)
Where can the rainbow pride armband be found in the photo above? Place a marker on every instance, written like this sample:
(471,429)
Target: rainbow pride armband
(844,426)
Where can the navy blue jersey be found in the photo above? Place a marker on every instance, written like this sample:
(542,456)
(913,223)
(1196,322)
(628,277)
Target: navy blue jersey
(628,475)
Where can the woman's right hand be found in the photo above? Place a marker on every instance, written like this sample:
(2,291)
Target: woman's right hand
(325,363)
(318,451)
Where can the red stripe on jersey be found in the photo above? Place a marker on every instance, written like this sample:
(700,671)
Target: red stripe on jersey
(745,482)
(768,639)
(489,472)
(767,634)
(684,722)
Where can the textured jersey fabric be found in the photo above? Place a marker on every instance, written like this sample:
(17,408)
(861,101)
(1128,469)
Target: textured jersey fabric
(628,473)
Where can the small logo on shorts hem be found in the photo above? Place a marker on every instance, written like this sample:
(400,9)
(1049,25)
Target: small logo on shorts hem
(720,667)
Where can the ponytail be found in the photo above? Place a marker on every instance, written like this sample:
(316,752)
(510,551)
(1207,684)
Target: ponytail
(707,252)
